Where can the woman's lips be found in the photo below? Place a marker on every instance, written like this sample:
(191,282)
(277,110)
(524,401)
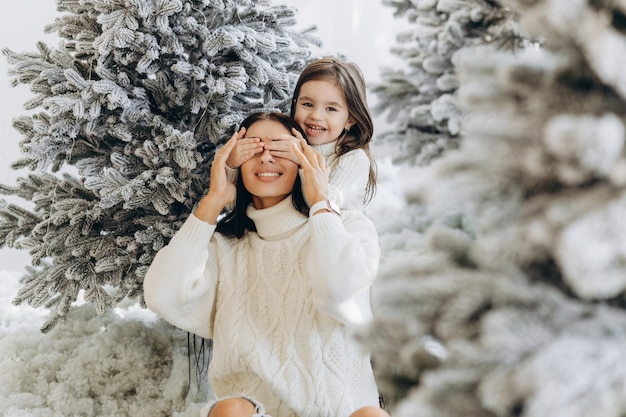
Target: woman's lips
(267,176)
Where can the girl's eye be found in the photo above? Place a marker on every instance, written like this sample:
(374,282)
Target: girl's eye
(332,109)
(307,104)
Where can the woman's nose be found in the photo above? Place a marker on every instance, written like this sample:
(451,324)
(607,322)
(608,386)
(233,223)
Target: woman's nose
(266,156)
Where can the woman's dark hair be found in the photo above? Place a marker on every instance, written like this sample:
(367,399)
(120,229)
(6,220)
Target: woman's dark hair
(237,222)
(349,79)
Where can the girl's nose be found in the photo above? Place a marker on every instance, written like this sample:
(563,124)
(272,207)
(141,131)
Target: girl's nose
(316,114)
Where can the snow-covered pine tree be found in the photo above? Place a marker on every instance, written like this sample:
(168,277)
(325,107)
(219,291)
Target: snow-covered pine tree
(420,100)
(127,112)
(528,319)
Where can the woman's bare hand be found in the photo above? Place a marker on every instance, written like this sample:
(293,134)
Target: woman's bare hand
(221,191)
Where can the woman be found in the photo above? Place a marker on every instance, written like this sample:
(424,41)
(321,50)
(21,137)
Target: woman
(275,285)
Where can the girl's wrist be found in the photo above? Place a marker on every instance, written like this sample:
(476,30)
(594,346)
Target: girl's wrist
(324,206)
(230,165)
(317,198)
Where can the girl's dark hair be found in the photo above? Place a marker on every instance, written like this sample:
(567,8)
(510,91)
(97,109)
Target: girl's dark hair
(237,222)
(350,81)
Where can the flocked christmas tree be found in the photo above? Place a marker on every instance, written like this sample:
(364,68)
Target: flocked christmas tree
(527,317)
(420,100)
(125,117)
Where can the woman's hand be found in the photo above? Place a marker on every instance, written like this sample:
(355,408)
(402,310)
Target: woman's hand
(246,148)
(221,191)
(280,145)
(314,171)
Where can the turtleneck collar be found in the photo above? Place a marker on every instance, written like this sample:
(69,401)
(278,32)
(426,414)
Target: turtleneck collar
(276,222)
(326,149)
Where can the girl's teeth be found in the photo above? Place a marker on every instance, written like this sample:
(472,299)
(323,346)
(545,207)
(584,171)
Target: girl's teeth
(268,174)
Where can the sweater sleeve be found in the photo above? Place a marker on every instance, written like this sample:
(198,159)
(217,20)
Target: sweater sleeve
(231,176)
(348,179)
(343,265)
(180,285)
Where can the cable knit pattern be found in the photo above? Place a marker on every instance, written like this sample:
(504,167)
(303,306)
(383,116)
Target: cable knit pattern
(348,176)
(279,304)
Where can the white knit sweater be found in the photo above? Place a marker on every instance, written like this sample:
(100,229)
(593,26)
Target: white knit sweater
(278,304)
(349,175)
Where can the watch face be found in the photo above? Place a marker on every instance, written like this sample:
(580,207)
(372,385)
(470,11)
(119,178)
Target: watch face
(333,207)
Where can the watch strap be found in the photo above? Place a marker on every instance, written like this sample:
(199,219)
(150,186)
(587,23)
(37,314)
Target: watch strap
(323,205)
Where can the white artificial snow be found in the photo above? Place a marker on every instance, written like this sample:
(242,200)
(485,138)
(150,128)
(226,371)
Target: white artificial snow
(592,252)
(593,145)
(125,363)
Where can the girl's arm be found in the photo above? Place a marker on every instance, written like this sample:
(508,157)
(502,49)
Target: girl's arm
(344,256)
(246,148)
(343,265)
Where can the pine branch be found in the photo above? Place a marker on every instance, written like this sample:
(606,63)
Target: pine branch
(526,315)
(421,100)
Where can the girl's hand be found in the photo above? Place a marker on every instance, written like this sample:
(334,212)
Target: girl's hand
(221,191)
(314,170)
(246,148)
(280,145)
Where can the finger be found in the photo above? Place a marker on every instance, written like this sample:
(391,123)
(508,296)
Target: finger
(280,137)
(315,158)
(249,141)
(249,145)
(228,146)
(302,159)
(288,155)
(311,156)
(283,145)
(297,133)
(249,154)
(239,134)
(307,150)
(222,153)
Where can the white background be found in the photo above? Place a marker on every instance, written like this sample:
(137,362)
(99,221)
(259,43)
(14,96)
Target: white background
(362,30)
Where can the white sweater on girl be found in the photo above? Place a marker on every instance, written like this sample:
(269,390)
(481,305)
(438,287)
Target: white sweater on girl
(279,305)
(349,175)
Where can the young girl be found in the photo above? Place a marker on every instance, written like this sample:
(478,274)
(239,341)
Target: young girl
(330,105)
(276,285)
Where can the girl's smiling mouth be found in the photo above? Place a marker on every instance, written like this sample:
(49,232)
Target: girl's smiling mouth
(315,128)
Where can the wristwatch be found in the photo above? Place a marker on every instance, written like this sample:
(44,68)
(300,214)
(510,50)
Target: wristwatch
(324,205)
